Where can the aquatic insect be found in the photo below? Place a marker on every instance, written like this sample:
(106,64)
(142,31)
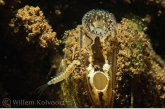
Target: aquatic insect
(93,52)
(61,76)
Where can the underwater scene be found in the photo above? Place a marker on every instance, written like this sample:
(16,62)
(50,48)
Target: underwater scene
(82,53)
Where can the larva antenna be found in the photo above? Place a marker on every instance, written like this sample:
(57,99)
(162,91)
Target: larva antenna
(41,89)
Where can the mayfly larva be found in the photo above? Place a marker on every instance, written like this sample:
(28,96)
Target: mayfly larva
(61,76)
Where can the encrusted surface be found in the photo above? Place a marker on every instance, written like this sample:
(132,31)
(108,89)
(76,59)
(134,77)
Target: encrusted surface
(139,77)
(36,26)
(137,68)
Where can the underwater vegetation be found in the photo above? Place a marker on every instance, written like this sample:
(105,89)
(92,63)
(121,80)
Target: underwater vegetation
(103,59)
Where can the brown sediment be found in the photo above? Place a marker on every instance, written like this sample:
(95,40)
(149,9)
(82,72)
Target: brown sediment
(35,25)
(73,92)
(2,2)
(140,75)
(32,35)
(137,64)
(131,44)
(27,44)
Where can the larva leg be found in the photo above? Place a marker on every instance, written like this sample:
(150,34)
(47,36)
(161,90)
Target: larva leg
(60,77)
